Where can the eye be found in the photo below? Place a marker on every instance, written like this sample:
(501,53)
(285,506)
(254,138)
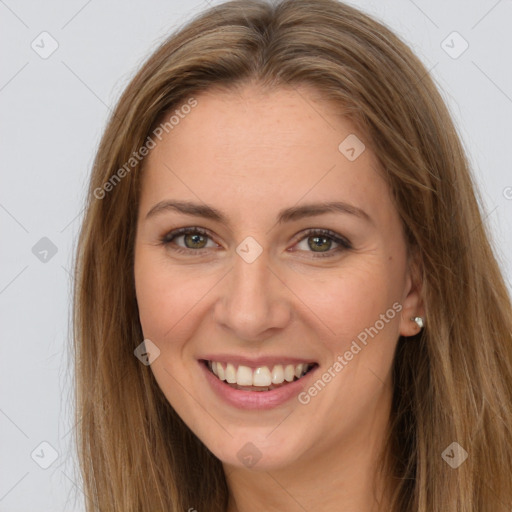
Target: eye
(323,242)
(191,239)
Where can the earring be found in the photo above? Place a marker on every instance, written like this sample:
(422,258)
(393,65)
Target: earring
(419,321)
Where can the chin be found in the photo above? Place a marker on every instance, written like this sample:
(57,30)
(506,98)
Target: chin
(257,452)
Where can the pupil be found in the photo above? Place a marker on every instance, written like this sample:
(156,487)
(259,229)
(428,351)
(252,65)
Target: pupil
(197,241)
(319,242)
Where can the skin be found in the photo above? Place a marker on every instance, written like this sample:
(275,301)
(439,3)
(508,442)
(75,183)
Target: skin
(250,154)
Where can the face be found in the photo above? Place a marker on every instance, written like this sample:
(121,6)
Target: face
(276,316)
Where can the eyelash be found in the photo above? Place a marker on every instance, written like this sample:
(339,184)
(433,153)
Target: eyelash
(343,243)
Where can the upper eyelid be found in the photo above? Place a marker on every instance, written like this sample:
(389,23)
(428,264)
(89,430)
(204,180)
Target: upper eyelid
(176,233)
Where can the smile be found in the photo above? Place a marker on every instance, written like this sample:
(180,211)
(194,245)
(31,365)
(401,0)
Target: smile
(261,378)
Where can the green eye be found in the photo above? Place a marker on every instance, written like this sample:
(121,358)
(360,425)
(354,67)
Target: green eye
(194,240)
(188,239)
(323,243)
(319,243)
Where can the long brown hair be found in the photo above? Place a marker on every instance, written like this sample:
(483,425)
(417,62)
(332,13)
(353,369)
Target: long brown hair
(452,382)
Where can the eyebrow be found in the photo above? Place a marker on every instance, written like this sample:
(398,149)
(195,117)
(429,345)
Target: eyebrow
(287,215)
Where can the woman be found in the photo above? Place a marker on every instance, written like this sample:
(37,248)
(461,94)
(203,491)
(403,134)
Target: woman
(286,298)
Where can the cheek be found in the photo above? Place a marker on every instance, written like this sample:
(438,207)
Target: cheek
(354,298)
(156,301)
(167,298)
(169,303)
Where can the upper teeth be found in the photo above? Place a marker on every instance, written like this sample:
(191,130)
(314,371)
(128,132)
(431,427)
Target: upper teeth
(261,376)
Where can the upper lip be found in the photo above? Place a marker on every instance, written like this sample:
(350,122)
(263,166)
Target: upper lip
(255,362)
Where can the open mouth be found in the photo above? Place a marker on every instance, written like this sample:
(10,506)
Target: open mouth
(262,378)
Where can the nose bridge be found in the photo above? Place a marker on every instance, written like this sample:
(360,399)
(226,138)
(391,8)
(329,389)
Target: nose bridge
(252,300)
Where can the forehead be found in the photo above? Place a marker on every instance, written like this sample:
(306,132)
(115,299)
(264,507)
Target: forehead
(250,148)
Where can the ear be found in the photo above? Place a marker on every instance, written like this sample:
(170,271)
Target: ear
(412,303)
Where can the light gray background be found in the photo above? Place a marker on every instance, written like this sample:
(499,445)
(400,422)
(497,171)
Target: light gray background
(53,112)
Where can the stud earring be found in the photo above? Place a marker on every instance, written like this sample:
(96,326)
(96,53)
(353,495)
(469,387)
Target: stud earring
(419,321)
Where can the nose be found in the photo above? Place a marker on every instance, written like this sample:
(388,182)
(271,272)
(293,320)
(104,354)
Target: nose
(253,302)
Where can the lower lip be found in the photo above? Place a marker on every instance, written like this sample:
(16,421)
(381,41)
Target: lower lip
(256,399)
